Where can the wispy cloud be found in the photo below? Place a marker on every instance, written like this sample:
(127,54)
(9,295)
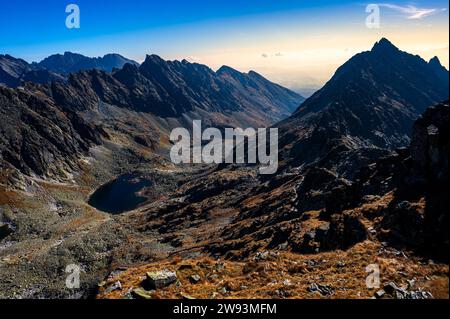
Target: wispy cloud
(412,12)
(267,55)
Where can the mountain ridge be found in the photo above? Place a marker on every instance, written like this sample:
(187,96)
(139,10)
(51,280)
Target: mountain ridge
(14,71)
(70,62)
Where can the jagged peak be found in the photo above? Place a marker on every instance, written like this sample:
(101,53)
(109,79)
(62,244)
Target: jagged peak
(130,67)
(7,56)
(68,53)
(435,61)
(227,69)
(255,74)
(384,45)
(152,57)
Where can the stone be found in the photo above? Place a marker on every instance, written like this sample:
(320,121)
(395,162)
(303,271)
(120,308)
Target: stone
(390,288)
(400,293)
(115,286)
(186,296)
(322,289)
(195,279)
(379,294)
(420,295)
(160,279)
(261,256)
(141,293)
(411,283)
(223,290)
(214,295)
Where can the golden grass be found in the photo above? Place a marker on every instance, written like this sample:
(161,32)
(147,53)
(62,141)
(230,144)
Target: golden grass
(286,275)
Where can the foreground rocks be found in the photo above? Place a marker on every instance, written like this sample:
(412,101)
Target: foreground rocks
(391,290)
(287,275)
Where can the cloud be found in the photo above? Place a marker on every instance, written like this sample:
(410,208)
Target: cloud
(412,12)
(194,58)
(266,55)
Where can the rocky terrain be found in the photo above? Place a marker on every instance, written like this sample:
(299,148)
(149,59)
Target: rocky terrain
(309,235)
(363,181)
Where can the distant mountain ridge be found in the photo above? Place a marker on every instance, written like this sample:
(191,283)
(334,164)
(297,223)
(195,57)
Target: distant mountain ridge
(72,62)
(177,88)
(56,67)
(165,88)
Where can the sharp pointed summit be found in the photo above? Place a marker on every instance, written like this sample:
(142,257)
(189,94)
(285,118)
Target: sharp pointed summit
(435,61)
(384,45)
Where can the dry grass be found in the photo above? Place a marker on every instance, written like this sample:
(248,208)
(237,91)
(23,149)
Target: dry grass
(286,275)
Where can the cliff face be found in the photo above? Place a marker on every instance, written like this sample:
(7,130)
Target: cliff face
(38,138)
(417,180)
(429,153)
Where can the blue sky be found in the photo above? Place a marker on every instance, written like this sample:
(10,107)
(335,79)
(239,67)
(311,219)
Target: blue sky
(43,21)
(298,43)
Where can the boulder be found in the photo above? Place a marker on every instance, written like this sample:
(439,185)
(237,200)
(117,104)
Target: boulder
(322,289)
(141,293)
(160,279)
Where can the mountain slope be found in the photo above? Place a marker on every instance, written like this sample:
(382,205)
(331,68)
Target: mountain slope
(38,138)
(283,99)
(371,101)
(11,69)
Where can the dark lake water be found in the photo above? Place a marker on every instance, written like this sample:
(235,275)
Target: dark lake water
(121,194)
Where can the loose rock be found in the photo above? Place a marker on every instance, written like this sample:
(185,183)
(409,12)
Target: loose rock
(160,279)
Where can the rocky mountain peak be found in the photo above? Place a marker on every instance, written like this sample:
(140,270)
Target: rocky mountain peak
(152,58)
(225,69)
(384,45)
(435,62)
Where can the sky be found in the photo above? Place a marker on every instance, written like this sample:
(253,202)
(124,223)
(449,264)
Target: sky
(297,43)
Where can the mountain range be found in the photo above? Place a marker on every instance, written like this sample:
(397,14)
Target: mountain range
(142,102)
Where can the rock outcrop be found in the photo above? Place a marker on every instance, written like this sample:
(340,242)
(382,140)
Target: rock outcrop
(38,138)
